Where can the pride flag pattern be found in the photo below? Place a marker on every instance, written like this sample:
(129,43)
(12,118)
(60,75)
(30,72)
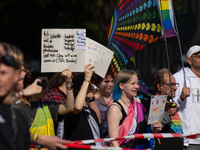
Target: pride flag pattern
(176,124)
(43,122)
(134,25)
(167,17)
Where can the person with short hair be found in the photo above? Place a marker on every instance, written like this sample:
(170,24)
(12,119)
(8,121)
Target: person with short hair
(14,131)
(22,142)
(188,97)
(171,121)
(103,98)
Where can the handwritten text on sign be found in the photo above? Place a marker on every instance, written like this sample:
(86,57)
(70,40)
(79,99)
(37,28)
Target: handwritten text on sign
(99,56)
(59,50)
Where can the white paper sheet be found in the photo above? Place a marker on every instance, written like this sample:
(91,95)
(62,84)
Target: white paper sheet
(157,108)
(99,56)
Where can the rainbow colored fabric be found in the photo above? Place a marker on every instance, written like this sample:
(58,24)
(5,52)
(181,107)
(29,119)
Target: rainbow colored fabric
(166,12)
(43,122)
(134,25)
(176,124)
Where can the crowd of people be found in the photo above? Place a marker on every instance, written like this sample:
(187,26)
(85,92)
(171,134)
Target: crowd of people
(52,112)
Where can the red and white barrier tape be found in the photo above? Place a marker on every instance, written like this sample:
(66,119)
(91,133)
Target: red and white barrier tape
(139,136)
(97,147)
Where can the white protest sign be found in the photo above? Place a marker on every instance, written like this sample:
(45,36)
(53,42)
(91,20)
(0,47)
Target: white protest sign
(59,50)
(99,56)
(157,108)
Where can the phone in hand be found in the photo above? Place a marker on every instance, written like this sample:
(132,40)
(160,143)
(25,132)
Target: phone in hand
(43,83)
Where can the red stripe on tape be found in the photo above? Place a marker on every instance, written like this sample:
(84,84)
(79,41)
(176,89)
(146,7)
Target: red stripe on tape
(77,142)
(176,135)
(99,140)
(79,146)
(139,136)
(158,135)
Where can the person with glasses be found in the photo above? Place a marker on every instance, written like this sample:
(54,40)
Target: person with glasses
(188,97)
(171,121)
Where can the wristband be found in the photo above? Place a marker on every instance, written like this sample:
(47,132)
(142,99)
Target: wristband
(36,139)
(92,100)
(69,87)
(87,80)
(93,85)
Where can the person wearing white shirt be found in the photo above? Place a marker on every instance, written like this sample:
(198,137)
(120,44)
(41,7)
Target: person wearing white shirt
(188,97)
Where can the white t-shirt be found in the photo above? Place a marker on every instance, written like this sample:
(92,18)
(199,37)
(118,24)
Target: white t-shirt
(195,120)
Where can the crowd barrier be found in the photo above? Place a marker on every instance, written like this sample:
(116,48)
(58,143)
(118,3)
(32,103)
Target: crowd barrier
(81,144)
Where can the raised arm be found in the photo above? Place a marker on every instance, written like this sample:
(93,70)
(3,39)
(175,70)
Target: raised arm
(80,99)
(69,107)
(113,119)
(31,89)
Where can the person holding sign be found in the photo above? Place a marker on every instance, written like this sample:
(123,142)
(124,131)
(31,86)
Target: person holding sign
(57,93)
(126,116)
(171,121)
(82,123)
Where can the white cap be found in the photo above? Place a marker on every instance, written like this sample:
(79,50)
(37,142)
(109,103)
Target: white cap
(194,49)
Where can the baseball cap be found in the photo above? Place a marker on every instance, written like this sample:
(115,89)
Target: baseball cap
(194,49)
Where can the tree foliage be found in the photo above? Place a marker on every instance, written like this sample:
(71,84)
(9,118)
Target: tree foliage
(22,20)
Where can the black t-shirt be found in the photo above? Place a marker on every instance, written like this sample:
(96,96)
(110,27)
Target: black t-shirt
(22,139)
(77,126)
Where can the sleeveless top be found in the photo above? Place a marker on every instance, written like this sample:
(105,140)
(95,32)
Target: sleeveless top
(122,111)
(103,108)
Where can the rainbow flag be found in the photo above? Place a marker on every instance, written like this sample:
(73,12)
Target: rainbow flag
(167,17)
(113,25)
(134,25)
(43,122)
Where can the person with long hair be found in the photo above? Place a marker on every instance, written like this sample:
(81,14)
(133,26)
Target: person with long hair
(126,116)
(57,93)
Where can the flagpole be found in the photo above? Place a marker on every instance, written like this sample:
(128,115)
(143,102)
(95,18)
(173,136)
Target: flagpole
(166,48)
(179,43)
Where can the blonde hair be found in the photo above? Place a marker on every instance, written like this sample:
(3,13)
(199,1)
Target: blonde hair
(124,76)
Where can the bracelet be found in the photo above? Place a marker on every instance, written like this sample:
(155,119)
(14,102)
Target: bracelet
(93,85)
(92,100)
(36,138)
(87,80)
(69,87)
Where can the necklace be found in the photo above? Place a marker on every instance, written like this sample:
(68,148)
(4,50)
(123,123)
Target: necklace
(124,102)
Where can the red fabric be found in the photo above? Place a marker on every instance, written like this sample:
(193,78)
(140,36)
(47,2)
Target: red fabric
(55,95)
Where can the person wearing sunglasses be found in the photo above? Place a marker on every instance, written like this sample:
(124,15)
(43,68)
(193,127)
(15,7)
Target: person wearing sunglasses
(171,122)
(188,97)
